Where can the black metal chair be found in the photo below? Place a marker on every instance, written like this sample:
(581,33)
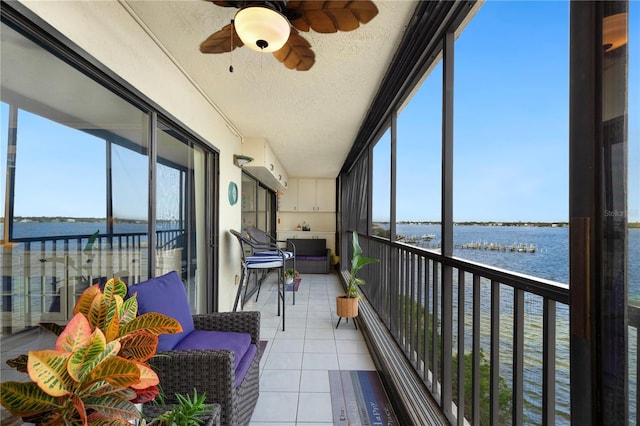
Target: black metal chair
(266,241)
(264,258)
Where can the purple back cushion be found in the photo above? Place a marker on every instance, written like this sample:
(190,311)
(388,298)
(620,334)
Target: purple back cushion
(165,294)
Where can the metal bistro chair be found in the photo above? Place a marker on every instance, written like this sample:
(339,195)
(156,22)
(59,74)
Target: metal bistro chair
(266,241)
(260,257)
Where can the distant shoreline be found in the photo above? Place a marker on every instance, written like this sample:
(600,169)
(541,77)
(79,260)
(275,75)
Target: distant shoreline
(65,219)
(497,223)
(56,219)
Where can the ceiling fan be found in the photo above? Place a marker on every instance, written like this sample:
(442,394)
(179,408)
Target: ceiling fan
(273,26)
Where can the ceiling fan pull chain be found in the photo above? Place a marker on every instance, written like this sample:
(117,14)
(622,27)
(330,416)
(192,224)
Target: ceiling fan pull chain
(231,44)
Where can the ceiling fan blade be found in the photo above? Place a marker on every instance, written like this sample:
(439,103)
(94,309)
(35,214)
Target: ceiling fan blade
(332,16)
(296,54)
(220,41)
(225,3)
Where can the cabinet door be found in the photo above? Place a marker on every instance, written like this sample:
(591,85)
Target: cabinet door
(307,195)
(325,195)
(288,201)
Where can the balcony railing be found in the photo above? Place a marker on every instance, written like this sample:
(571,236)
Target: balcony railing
(43,276)
(511,332)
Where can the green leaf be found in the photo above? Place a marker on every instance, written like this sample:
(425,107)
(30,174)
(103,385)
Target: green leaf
(84,361)
(48,369)
(113,407)
(115,287)
(128,311)
(83,305)
(24,399)
(98,311)
(117,371)
(76,335)
(152,322)
(139,346)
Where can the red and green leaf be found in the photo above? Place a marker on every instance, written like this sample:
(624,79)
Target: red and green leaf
(148,377)
(23,399)
(146,395)
(139,346)
(86,298)
(112,407)
(129,310)
(76,335)
(84,361)
(117,371)
(98,311)
(80,408)
(48,369)
(115,287)
(112,321)
(153,322)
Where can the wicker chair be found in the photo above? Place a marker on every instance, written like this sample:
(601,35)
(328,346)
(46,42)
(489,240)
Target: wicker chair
(211,371)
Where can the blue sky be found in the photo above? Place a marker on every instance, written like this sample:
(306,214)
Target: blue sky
(511,106)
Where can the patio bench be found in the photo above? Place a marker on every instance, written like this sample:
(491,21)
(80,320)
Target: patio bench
(312,255)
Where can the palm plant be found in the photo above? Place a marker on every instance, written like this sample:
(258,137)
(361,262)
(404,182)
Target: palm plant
(98,369)
(357,262)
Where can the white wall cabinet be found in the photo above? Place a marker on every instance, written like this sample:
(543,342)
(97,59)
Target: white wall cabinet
(309,195)
(265,165)
(288,200)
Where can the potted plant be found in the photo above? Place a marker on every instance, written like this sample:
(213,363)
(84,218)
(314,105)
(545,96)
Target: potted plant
(187,412)
(98,369)
(347,304)
(291,274)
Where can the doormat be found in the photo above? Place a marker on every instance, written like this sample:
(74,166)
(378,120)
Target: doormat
(289,287)
(358,398)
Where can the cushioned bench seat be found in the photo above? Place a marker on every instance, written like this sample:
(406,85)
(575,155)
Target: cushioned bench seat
(312,255)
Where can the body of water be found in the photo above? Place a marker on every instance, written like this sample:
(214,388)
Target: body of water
(549,260)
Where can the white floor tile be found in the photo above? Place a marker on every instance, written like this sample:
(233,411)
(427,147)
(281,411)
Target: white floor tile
(280,381)
(294,378)
(276,407)
(312,407)
(320,362)
(284,361)
(315,346)
(314,381)
(287,345)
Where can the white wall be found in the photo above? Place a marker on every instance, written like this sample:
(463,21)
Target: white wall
(106,31)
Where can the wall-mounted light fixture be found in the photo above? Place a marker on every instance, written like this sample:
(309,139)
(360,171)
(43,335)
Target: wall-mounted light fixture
(241,160)
(262,28)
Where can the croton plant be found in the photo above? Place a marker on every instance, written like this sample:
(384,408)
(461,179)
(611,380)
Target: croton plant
(99,368)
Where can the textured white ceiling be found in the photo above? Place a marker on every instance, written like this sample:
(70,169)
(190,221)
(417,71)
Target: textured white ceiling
(309,118)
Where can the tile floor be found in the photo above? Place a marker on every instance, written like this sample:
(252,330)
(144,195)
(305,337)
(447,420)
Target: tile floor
(294,378)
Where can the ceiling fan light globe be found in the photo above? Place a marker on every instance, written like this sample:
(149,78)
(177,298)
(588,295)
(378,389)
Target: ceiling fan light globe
(262,29)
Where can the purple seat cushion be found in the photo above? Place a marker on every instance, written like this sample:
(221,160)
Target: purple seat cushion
(245,363)
(313,258)
(239,343)
(165,294)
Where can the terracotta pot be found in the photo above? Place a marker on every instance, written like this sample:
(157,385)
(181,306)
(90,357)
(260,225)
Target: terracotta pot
(347,307)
